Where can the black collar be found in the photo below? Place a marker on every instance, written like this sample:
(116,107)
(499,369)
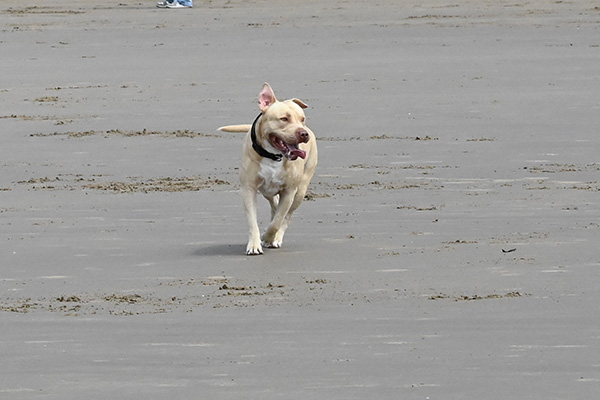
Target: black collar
(258,148)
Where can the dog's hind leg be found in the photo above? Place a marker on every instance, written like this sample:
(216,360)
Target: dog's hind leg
(274,203)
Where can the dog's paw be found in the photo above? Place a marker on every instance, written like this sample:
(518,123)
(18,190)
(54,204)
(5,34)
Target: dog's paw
(275,244)
(253,250)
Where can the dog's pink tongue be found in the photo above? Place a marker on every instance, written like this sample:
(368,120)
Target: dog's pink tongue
(295,153)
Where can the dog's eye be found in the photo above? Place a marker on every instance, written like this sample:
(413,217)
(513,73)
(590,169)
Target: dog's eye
(284,119)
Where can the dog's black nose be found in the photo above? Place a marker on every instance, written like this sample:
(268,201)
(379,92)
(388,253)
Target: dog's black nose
(302,136)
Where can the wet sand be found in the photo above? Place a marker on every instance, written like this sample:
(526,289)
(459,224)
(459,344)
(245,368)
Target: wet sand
(447,248)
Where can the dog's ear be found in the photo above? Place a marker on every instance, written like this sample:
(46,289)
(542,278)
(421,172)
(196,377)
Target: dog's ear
(266,97)
(300,103)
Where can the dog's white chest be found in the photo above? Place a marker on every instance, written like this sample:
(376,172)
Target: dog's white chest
(272,174)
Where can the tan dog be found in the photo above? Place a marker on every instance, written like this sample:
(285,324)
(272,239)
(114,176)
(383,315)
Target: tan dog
(278,160)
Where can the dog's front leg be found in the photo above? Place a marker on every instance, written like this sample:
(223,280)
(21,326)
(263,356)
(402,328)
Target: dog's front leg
(249,198)
(273,236)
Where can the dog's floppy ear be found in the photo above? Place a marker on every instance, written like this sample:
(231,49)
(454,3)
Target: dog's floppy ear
(266,97)
(300,103)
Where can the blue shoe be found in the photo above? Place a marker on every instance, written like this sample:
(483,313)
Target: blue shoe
(171,4)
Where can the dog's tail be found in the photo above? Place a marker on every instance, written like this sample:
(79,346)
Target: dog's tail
(235,128)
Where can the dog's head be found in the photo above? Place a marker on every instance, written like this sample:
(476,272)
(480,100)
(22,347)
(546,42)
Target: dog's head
(283,124)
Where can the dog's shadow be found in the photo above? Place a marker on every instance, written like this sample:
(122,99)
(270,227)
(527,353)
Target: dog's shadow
(216,250)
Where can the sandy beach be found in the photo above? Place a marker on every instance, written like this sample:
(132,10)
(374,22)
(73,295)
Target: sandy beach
(446,248)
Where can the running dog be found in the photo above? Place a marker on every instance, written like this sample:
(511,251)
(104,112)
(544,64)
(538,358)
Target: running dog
(278,160)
